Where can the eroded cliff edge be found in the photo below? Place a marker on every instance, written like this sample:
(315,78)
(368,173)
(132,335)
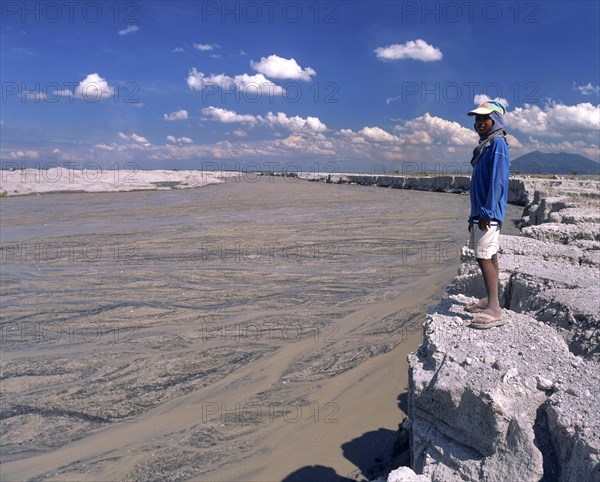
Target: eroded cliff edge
(519,402)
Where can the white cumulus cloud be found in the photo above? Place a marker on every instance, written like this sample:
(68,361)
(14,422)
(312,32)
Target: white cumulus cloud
(279,120)
(179,140)
(205,47)
(93,88)
(377,134)
(429,129)
(139,139)
(413,49)
(588,89)
(218,114)
(135,138)
(252,86)
(181,114)
(481,98)
(295,123)
(63,92)
(33,95)
(277,67)
(555,119)
(23,154)
(128,30)
(105,147)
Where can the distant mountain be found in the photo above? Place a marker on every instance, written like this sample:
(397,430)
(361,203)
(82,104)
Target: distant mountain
(537,162)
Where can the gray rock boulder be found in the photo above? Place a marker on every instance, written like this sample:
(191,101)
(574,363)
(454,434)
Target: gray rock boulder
(406,474)
(475,404)
(563,233)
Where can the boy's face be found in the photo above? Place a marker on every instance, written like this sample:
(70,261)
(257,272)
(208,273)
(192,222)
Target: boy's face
(483,124)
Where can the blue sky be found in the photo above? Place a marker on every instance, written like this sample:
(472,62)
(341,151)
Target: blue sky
(333,86)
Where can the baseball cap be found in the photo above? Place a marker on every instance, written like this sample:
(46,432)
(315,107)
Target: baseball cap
(487,107)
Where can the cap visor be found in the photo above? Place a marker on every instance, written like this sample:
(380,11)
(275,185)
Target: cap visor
(480,110)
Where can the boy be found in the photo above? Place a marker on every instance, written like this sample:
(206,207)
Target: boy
(489,197)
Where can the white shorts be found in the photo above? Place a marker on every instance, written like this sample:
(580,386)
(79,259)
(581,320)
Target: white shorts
(485,243)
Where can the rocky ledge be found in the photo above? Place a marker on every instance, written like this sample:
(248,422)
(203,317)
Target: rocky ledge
(518,402)
(522,191)
(511,403)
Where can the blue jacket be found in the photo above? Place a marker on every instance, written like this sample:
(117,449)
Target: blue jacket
(489,183)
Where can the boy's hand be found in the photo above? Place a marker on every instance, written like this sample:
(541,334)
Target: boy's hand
(484,224)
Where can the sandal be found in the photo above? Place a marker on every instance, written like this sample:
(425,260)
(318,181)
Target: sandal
(484,322)
(473,307)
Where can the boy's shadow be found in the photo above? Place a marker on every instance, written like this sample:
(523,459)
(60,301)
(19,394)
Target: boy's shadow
(316,473)
(375,453)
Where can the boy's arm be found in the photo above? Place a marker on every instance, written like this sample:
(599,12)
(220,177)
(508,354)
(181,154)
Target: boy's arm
(499,177)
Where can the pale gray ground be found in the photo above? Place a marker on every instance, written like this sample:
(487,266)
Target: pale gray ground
(231,332)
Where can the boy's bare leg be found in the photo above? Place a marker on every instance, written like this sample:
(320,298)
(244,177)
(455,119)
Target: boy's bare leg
(495,263)
(490,271)
(483,302)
